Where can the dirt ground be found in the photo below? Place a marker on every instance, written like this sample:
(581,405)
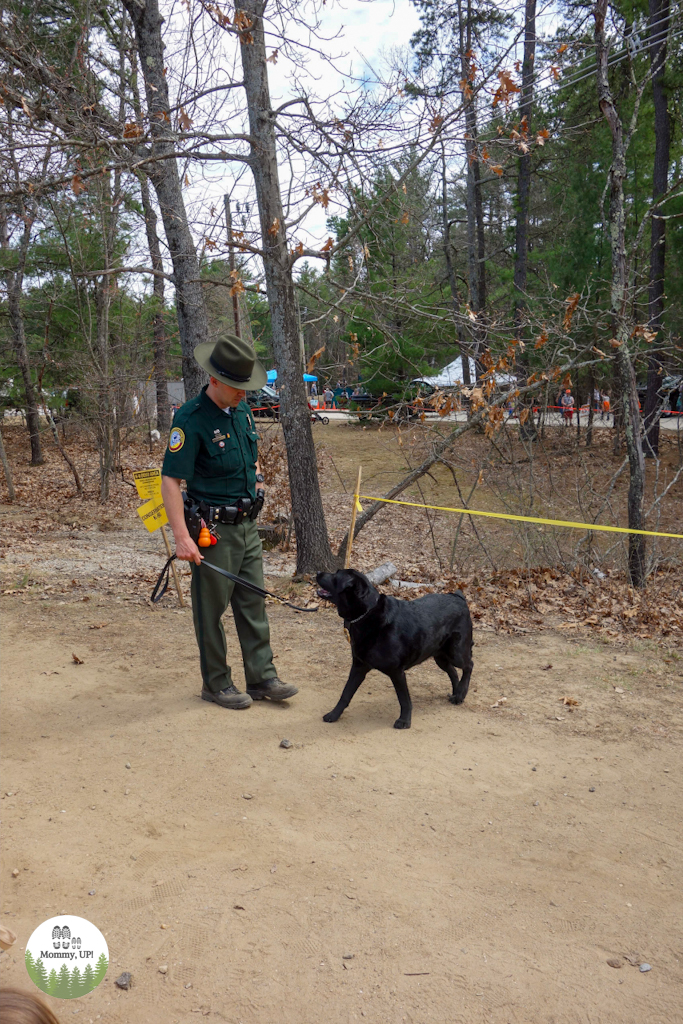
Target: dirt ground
(482,867)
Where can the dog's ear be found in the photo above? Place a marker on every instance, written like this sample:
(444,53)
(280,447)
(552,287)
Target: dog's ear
(345,590)
(361,585)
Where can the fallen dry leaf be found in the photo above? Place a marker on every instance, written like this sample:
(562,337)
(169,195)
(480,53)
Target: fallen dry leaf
(570,701)
(546,667)
(615,963)
(77,660)
(619,689)
(98,625)
(501,700)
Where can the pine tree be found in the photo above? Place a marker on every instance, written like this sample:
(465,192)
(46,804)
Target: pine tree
(76,984)
(30,966)
(52,982)
(62,989)
(101,968)
(89,981)
(40,978)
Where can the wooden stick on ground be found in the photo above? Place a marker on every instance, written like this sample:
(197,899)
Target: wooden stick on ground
(173,568)
(349,544)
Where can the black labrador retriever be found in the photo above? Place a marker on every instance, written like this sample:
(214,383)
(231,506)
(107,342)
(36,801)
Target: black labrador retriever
(391,636)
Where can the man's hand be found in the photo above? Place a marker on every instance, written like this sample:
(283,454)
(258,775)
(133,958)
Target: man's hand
(187,551)
(185,548)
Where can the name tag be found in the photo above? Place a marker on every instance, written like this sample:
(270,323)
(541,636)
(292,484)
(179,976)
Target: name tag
(220,437)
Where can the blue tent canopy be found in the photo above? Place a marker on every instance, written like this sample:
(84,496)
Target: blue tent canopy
(272,376)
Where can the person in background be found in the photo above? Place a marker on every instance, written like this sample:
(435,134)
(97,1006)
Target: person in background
(605,406)
(328,395)
(17,1007)
(567,403)
(314,389)
(596,399)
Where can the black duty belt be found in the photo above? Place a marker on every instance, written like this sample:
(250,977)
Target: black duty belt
(161,585)
(227,514)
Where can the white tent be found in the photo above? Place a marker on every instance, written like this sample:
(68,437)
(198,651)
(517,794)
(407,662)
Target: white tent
(451,376)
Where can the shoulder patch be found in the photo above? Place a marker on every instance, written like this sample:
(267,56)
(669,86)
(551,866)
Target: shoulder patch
(176,439)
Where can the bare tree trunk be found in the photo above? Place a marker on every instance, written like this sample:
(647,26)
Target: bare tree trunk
(659,28)
(452,281)
(192,320)
(14,280)
(313,546)
(619,299)
(11,496)
(591,404)
(476,249)
(527,429)
(160,342)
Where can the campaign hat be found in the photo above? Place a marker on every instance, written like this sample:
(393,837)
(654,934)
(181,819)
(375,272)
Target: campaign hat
(232,360)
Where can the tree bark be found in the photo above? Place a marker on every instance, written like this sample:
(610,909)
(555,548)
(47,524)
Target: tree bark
(620,303)
(450,269)
(192,320)
(659,28)
(313,546)
(11,496)
(476,243)
(14,280)
(527,429)
(160,340)
(524,168)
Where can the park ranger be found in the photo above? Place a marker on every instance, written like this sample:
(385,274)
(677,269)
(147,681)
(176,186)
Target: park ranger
(213,447)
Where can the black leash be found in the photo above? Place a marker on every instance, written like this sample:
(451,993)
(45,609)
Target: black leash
(162,583)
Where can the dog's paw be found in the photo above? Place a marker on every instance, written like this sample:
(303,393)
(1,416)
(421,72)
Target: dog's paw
(456,700)
(332,716)
(402,723)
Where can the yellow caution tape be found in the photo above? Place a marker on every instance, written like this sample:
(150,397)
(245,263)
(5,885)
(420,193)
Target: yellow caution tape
(359,507)
(524,519)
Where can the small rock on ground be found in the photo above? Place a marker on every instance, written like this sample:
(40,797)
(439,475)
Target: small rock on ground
(286,744)
(124,980)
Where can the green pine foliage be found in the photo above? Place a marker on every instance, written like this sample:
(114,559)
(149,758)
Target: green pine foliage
(76,984)
(63,983)
(89,981)
(30,966)
(41,977)
(52,982)
(101,968)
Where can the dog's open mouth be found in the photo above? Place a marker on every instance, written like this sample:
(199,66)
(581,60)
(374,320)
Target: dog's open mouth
(325,594)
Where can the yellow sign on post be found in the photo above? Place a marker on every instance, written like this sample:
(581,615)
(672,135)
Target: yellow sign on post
(153,514)
(148,483)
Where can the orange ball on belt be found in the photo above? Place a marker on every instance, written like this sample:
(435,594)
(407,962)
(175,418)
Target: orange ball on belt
(204,540)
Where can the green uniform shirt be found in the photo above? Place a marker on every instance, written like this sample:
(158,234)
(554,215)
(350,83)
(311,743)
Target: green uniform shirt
(213,451)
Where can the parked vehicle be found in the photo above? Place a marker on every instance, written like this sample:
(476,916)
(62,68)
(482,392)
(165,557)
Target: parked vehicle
(265,402)
(667,394)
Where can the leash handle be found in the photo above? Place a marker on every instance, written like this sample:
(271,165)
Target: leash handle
(161,585)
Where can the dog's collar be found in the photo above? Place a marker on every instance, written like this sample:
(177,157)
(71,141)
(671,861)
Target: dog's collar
(351,622)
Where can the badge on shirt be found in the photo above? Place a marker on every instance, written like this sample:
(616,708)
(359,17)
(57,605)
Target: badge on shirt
(176,440)
(220,437)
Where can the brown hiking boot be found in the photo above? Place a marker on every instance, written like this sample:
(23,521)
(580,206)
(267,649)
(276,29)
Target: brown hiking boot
(272,688)
(230,697)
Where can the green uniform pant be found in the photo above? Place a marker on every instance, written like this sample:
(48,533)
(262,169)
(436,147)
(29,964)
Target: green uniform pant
(239,551)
